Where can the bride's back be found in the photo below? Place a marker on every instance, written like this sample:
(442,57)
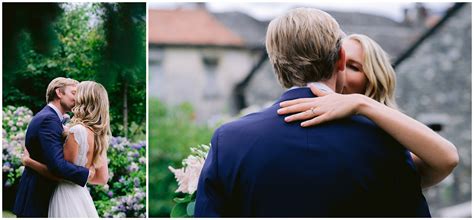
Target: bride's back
(79,146)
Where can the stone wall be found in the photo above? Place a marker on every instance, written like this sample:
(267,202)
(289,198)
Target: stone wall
(434,86)
(180,74)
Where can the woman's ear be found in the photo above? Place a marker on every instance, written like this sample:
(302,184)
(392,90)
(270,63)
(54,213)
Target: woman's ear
(341,71)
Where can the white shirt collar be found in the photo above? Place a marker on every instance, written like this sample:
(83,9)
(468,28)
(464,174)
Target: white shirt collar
(57,111)
(323,87)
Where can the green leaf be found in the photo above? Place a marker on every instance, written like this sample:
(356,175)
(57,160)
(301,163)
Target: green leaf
(190,208)
(31,67)
(179,211)
(186,199)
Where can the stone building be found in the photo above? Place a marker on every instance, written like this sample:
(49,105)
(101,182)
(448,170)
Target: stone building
(434,86)
(195,58)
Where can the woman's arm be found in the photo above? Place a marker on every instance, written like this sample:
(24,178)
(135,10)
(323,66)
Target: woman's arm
(435,157)
(37,166)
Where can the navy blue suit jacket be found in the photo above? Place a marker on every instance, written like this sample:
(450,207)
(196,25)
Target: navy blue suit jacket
(45,145)
(260,165)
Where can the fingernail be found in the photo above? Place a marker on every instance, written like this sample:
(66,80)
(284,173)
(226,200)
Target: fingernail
(279,111)
(287,119)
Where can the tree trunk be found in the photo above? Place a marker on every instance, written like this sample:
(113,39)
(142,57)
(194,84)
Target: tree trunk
(125,108)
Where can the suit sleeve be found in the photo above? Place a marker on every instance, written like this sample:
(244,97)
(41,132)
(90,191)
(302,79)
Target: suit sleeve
(210,194)
(50,140)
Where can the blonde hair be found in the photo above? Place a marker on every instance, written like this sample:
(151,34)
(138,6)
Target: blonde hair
(378,70)
(92,111)
(303,46)
(58,83)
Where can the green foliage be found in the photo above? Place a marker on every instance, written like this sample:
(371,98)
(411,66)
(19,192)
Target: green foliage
(172,133)
(76,57)
(80,54)
(184,207)
(124,58)
(33,18)
(179,211)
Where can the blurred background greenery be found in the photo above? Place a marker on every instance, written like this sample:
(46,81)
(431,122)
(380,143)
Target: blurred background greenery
(177,133)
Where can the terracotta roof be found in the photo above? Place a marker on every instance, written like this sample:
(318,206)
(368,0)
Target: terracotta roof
(189,27)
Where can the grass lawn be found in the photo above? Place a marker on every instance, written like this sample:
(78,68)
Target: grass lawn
(8,214)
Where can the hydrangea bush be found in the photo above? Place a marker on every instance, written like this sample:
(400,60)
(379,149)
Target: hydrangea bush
(15,122)
(125,193)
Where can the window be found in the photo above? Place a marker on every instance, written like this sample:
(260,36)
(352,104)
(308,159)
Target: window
(210,62)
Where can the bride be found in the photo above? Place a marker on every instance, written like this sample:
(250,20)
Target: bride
(86,145)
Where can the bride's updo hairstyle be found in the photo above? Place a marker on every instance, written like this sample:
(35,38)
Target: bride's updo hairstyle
(92,111)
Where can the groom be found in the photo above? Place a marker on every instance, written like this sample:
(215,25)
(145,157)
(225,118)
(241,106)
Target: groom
(261,166)
(44,143)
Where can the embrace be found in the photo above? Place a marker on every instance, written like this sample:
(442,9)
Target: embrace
(59,160)
(333,145)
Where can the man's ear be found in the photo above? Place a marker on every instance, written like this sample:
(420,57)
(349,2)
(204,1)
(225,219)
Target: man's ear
(341,62)
(58,92)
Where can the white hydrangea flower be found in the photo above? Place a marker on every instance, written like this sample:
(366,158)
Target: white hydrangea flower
(6,168)
(142,160)
(133,167)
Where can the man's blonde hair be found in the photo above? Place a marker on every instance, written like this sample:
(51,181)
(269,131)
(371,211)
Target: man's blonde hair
(378,70)
(303,46)
(58,83)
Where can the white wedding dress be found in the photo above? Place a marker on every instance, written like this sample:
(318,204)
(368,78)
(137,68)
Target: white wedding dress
(70,199)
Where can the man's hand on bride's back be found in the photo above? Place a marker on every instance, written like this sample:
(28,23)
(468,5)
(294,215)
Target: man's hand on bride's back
(325,107)
(91,174)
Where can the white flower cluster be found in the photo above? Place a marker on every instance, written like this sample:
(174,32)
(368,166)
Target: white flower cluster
(188,175)
(16,118)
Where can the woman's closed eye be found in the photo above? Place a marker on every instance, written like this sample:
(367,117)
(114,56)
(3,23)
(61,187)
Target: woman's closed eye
(353,67)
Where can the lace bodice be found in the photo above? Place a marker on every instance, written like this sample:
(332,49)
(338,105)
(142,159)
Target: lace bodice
(80,134)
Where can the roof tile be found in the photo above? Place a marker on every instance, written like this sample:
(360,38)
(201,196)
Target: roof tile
(189,27)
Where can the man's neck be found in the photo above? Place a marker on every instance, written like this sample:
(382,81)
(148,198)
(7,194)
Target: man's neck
(331,83)
(326,86)
(58,106)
